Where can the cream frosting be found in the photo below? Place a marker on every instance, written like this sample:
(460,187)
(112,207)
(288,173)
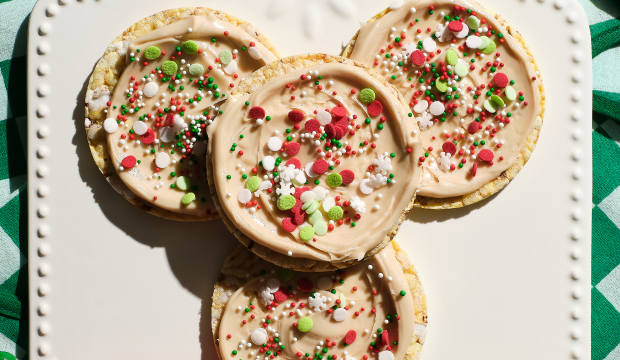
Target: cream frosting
(243,149)
(171,169)
(396,34)
(364,311)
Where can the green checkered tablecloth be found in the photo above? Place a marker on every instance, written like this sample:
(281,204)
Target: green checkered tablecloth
(604,21)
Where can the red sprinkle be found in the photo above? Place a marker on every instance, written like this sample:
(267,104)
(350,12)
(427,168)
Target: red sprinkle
(129,162)
(257,112)
(296,116)
(449,147)
(312,125)
(455,26)
(417,58)
(474,169)
(473,127)
(375,108)
(350,337)
(281,295)
(304,285)
(294,161)
(486,155)
(500,80)
(385,338)
(339,112)
(299,191)
(320,166)
(148,137)
(292,149)
(288,225)
(347,176)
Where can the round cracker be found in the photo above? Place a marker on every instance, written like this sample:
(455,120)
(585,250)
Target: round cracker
(242,262)
(107,72)
(252,84)
(525,153)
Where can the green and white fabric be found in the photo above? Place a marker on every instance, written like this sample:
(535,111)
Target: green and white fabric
(604,20)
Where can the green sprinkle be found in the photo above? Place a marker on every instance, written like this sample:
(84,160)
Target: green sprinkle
(226,57)
(152,53)
(306,234)
(452,57)
(285,274)
(367,95)
(473,22)
(403,293)
(335,213)
(183,182)
(188,198)
(334,180)
(190,47)
(314,217)
(253,183)
(286,202)
(461,69)
(320,227)
(169,67)
(490,106)
(489,48)
(441,85)
(497,100)
(485,41)
(196,69)
(511,93)
(305,324)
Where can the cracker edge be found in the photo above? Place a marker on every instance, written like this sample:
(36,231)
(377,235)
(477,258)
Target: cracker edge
(108,70)
(525,153)
(253,83)
(242,262)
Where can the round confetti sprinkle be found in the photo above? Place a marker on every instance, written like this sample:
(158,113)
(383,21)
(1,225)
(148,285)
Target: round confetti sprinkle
(253,183)
(299,217)
(293,148)
(294,161)
(304,285)
(497,100)
(451,57)
(299,191)
(257,112)
(323,117)
(324,283)
(307,196)
(350,337)
(484,42)
(386,355)
(320,227)
(417,58)
(190,47)
(244,196)
(152,53)
(320,166)
(296,116)
(441,85)
(489,49)
(286,202)
(473,42)
(339,112)
(510,93)
(335,213)
(473,127)
(269,162)
(196,69)
(312,125)
(486,155)
(259,336)
(347,176)
(367,95)
(473,22)
(169,67)
(188,198)
(281,295)
(226,57)
(334,180)
(128,162)
(490,106)
(304,324)
(162,160)
(375,108)
(500,80)
(449,147)
(150,89)
(285,275)
(274,143)
(254,53)
(455,26)
(183,183)
(110,125)
(314,217)
(312,207)
(273,284)
(437,108)
(461,69)
(340,314)
(306,233)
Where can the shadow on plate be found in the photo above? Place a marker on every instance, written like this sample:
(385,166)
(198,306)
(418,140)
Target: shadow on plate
(195,251)
(425,216)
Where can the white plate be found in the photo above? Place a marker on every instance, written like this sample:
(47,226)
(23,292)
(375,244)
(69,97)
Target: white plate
(506,279)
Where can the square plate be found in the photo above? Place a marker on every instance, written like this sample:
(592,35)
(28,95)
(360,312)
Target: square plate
(507,278)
